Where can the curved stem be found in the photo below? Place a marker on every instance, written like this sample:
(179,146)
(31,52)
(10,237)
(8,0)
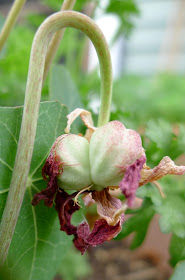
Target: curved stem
(10,21)
(56,40)
(31,108)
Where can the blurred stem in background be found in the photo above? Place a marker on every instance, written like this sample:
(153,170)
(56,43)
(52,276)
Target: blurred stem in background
(55,42)
(10,21)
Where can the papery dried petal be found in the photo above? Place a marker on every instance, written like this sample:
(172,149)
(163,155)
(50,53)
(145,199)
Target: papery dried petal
(165,167)
(65,207)
(108,206)
(130,181)
(85,116)
(100,233)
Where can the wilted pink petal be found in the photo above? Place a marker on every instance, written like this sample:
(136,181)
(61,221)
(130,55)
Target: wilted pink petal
(130,181)
(51,170)
(100,233)
(65,207)
(165,167)
(107,206)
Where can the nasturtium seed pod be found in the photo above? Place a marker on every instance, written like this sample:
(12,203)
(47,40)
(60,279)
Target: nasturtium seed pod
(112,149)
(72,155)
(112,156)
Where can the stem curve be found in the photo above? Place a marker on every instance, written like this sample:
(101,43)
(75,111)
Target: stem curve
(56,40)
(31,108)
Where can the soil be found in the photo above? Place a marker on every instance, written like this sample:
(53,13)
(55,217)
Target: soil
(115,261)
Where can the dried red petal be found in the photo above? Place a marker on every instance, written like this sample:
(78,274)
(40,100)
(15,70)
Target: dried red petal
(51,170)
(130,181)
(65,207)
(100,233)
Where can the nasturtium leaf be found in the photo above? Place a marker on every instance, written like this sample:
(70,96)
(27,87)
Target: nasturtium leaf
(138,224)
(179,272)
(38,245)
(177,250)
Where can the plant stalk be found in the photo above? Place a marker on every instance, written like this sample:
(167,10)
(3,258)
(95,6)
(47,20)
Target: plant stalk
(56,40)
(31,108)
(10,21)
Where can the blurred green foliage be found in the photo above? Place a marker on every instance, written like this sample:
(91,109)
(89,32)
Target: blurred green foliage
(138,223)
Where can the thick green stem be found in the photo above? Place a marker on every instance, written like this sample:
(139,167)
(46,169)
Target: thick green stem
(56,40)
(31,108)
(10,21)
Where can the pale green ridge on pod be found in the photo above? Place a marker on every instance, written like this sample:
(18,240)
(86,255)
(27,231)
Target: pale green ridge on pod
(113,147)
(73,151)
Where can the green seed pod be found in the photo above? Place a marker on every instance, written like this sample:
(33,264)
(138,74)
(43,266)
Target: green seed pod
(72,155)
(112,149)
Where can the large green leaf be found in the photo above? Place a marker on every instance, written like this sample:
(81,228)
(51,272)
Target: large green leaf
(38,245)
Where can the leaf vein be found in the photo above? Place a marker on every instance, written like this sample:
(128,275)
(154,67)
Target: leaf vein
(6,164)
(47,242)
(7,128)
(22,255)
(4,191)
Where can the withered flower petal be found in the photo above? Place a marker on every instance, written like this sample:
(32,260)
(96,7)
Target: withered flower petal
(101,232)
(50,169)
(65,207)
(107,206)
(130,181)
